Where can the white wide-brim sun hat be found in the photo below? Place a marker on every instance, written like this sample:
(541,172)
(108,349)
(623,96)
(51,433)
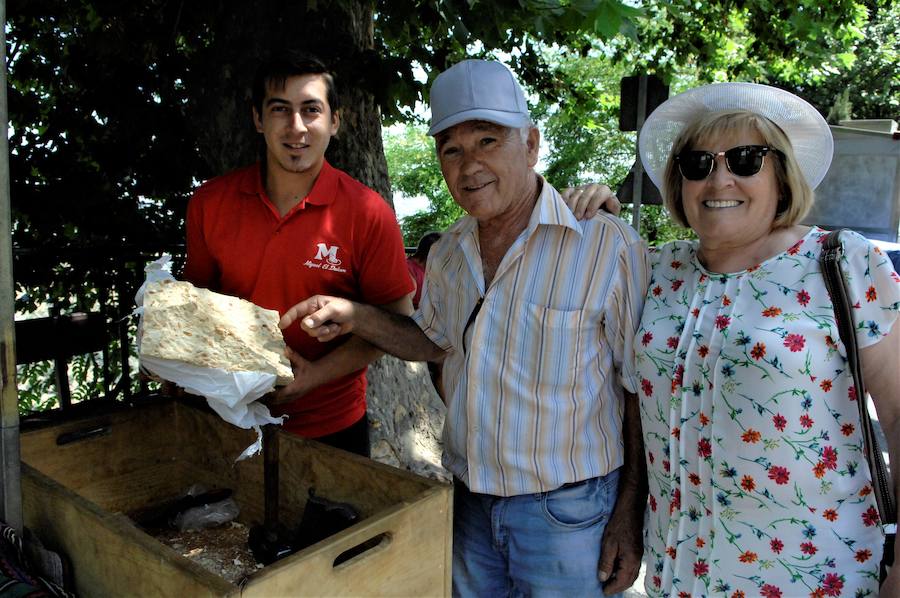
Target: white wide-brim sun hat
(804,126)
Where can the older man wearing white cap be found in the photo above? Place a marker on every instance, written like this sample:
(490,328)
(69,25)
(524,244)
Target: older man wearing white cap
(533,314)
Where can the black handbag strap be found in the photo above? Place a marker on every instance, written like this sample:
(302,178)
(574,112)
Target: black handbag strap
(832,251)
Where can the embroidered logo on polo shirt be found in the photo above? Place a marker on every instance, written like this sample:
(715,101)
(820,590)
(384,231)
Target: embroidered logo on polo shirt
(326,258)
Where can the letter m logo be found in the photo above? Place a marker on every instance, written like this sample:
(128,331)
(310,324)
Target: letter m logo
(328,253)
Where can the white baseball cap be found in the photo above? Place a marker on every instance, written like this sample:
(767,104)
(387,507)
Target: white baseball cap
(477,90)
(807,131)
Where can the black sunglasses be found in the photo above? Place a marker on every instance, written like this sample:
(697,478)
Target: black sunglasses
(744,160)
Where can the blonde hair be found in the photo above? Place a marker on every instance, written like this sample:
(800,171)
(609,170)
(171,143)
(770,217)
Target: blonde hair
(795,195)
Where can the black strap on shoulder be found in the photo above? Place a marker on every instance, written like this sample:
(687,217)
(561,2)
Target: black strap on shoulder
(832,252)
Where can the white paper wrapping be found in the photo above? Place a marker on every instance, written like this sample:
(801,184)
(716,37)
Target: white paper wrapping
(231,394)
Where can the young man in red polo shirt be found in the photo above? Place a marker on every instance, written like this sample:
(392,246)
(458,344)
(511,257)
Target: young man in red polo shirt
(292,226)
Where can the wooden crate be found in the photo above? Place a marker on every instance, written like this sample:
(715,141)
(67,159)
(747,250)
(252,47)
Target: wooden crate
(75,496)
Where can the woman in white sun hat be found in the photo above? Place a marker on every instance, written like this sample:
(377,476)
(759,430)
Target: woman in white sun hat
(758,481)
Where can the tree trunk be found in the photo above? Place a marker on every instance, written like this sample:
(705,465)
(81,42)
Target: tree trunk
(340,33)
(406,417)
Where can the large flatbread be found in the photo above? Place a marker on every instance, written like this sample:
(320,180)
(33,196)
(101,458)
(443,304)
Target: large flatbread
(207,329)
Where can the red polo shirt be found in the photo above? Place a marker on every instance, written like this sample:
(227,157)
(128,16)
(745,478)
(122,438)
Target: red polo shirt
(342,240)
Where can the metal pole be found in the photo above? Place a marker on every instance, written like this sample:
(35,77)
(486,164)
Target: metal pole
(11,488)
(637,192)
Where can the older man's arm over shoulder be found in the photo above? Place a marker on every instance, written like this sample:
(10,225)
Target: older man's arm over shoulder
(325,318)
(623,540)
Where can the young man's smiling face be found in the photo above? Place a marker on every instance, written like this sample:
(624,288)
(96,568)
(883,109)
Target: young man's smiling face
(297,124)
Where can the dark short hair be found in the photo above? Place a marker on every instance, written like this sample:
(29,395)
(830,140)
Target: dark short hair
(280,65)
(425,243)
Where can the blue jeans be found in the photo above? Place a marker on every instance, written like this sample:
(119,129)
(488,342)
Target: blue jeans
(545,544)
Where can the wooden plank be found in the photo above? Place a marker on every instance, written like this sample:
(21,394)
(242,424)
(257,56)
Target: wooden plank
(336,474)
(342,476)
(10,487)
(110,556)
(155,452)
(206,443)
(136,489)
(413,560)
(126,441)
(41,339)
(415,511)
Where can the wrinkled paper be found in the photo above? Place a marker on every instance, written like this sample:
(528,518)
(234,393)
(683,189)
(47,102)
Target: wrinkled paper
(232,395)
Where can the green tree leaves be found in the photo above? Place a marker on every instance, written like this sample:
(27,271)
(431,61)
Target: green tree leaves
(414,171)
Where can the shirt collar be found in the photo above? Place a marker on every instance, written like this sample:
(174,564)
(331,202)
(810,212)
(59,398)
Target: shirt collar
(322,193)
(325,187)
(549,210)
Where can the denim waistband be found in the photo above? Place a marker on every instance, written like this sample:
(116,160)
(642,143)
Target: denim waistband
(459,483)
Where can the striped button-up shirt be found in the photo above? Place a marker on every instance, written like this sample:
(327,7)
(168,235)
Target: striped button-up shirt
(536,362)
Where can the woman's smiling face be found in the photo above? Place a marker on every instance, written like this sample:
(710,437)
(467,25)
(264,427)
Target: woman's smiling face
(726,210)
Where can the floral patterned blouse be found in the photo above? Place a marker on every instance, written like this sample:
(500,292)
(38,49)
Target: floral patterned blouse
(758,482)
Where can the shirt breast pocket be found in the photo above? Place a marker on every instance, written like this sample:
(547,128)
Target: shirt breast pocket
(551,345)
